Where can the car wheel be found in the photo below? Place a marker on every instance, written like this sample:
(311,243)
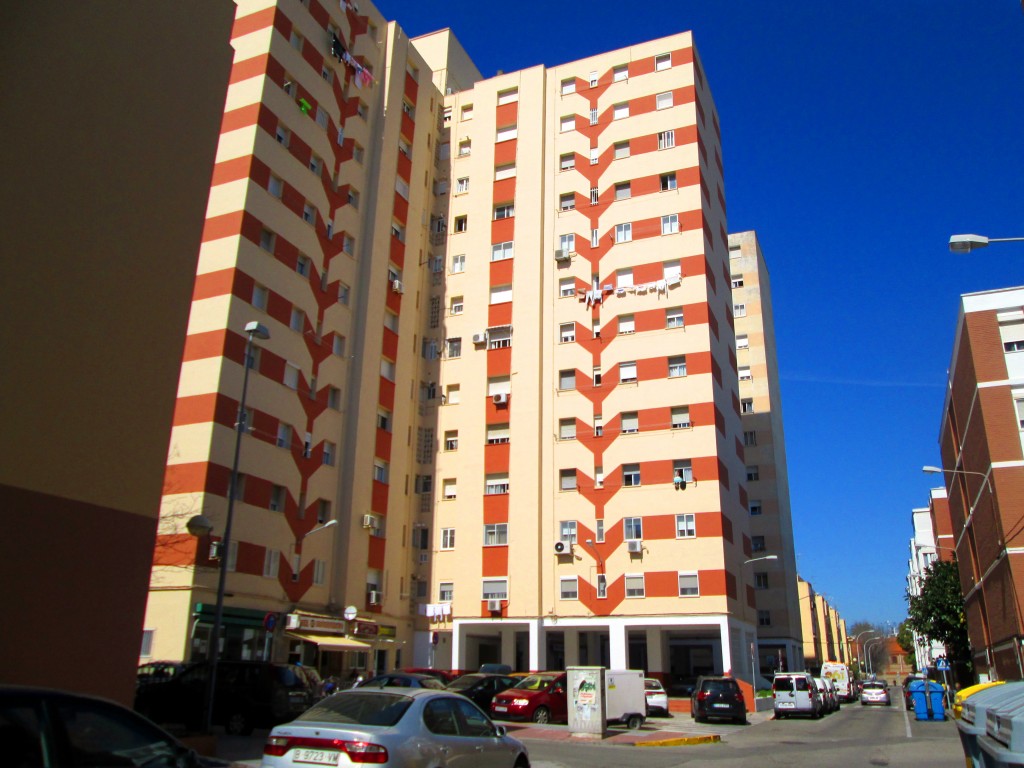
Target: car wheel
(522,762)
(238,724)
(634,722)
(541,715)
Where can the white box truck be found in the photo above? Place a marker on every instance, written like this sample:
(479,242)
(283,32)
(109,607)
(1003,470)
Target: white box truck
(839,674)
(625,699)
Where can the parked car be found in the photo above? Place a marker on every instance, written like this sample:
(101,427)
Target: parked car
(443,675)
(875,693)
(718,697)
(657,698)
(481,688)
(496,669)
(907,701)
(158,671)
(55,728)
(403,680)
(828,700)
(540,698)
(794,693)
(412,728)
(248,694)
(681,686)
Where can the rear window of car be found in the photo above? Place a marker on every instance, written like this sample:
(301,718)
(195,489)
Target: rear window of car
(652,685)
(719,686)
(874,687)
(359,708)
(432,682)
(782,684)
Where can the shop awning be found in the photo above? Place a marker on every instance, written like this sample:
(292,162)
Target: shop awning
(330,642)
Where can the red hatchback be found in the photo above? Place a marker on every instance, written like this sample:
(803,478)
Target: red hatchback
(540,698)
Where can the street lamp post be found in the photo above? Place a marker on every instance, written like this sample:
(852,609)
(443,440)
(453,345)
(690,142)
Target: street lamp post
(968,243)
(867,653)
(937,470)
(200,525)
(753,647)
(856,641)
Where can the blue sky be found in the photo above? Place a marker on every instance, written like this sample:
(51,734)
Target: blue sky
(857,137)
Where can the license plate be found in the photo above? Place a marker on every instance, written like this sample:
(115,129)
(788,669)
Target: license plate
(500,709)
(315,756)
(786,705)
(720,706)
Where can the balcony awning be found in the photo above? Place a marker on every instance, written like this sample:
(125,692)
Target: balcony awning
(330,642)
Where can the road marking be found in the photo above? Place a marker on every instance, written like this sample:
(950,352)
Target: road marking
(906,721)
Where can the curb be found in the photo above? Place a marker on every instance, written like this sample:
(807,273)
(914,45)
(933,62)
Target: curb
(685,741)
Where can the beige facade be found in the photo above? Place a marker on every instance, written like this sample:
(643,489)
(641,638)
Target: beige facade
(764,448)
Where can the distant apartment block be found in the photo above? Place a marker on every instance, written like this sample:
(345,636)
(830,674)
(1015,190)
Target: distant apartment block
(924,551)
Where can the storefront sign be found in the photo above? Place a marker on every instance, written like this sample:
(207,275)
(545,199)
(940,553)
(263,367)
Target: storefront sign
(305,622)
(366,628)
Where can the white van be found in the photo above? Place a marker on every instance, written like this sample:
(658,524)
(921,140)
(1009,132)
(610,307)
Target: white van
(795,693)
(839,674)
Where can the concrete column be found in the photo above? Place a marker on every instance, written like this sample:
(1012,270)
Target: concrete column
(618,646)
(538,651)
(508,646)
(655,651)
(458,647)
(571,639)
(726,652)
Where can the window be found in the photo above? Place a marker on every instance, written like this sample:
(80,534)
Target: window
(454,346)
(662,61)
(750,437)
(764,618)
(757,543)
(630,422)
(504,172)
(620,111)
(348,244)
(498,434)
(594,157)
(666,139)
(737,281)
(689,585)
(1013,346)
(623,232)
(344,293)
(627,324)
(334,398)
(499,338)
(291,376)
(507,133)
(446,592)
(567,123)
(384,419)
(567,243)
(461,223)
(627,372)
(339,345)
(592,79)
(567,429)
(321,117)
(458,263)
(761,580)
(496,485)
(267,240)
(670,224)
(683,470)
(275,186)
(674,317)
(567,286)
(316,165)
(593,116)
(567,162)
(631,479)
(278,498)
(686,527)
(663,100)
(298,320)
(598,425)
(747,405)
(451,440)
(401,188)
(358,153)
(634,585)
(499,385)
(323,511)
(755,507)
(622,191)
(621,150)
(271,562)
(330,449)
(284,435)
(739,310)
(620,73)
(283,136)
(296,40)
(260,295)
(380,471)
(599,524)
(496,535)
(501,251)
(567,479)
(309,213)
(467,112)
(677,366)
(465,148)
(742,342)
(447,538)
(567,332)
(449,489)
(495,589)
(508,96)
(568,588)
(569,86)
(668,182)
(594,235)
(681,417)
(602,585)
(501,294)
(567,379)
(453,394)
(462,185)
(567,202)
(744,373)
(595,196)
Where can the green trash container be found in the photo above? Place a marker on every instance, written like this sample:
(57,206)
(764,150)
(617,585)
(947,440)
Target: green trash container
(973,719)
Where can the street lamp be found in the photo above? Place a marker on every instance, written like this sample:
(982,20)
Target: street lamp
(298,555)
(200,524)
(867,652)
(753,646)
(967,243)
(935,470)
(856,641)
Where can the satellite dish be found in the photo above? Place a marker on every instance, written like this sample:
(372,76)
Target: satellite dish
(350,612)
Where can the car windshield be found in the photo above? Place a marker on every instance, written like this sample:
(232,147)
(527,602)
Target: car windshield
(536,682)
(652,685)
(464,682)
(359,708)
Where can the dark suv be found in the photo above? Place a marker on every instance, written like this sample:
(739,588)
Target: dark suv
(249,694)
(718,697)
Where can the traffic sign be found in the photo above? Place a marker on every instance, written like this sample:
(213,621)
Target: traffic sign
(942,664)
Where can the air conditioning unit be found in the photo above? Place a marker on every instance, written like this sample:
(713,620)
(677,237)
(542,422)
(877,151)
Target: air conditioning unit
(494,605)
(562,255)
(634,546)
(562,547)
(500,399)
(480,338)
(373,597)
(397,287)
(369,522)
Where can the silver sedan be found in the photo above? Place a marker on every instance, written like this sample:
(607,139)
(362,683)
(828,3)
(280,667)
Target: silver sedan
(409,727)
(874,693)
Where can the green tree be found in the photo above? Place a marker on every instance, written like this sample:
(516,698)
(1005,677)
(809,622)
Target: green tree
(938,611)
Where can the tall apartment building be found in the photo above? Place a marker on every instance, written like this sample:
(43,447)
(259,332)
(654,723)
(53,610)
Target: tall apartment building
(980,441)
(501,356)
(924,551)
(822,630)
(102,113)
(767,476)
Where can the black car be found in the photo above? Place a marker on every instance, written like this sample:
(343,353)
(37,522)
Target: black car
(403,680)
(718,697)
(249,694)
(42,727)
(481,688)
(158,671)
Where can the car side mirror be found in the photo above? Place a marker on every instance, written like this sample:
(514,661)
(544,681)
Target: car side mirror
(500,731)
